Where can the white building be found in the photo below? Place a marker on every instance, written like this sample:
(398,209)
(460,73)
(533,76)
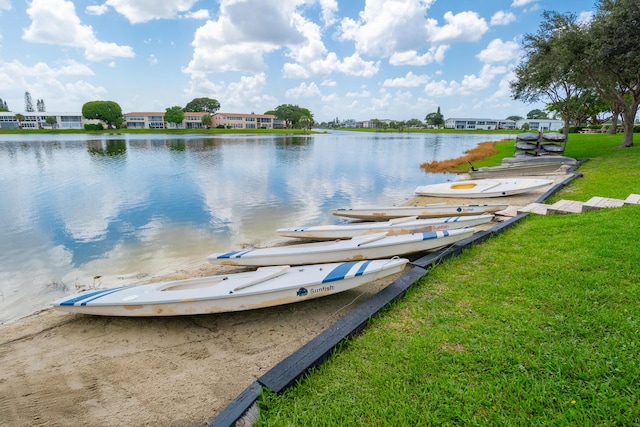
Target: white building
(541,124)
(38,120)
(484,124)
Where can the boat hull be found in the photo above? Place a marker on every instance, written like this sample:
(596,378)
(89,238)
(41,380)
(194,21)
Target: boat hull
(430,211)
(371,246)
(391,227)
(272,286)
(483,188)
(518,169)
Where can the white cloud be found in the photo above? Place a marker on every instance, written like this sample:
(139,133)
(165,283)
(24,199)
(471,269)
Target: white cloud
(469,84)
(499,51)
(97,10)
(58,85)
(502,17)
(521,3)
(303,91)
(584,17)
(55,22)
(329,10)
(411,57)
(462,27)
(139,11)
(329,83)
(386,27)
(198,14)
(242,35)
(152,59)
(410,80)
(5,5)
(241,96)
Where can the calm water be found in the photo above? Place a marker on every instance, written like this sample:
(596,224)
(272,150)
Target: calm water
(81,211)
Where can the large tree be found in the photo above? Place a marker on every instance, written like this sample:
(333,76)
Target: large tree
(107,111)
(291,114)
(202,105)
(435,119)
(611,59)
(548,72)
(174,115)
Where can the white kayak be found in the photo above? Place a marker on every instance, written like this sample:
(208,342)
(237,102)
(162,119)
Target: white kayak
(264,287)
(515,169)
(392,227)
(481,188)
(385,213)
(370,246)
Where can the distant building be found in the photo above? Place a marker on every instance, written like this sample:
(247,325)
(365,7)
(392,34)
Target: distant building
(155,120)
(38,120)
(483,124)
(541,124)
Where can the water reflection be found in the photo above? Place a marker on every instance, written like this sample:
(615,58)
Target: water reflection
(123,208)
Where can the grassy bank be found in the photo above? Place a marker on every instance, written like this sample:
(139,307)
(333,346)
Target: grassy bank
(537,326)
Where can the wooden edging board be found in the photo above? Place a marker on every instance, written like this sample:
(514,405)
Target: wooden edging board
(316,351)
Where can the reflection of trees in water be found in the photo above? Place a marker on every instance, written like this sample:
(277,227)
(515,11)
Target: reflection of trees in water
(112,147)
(293,141)
(176,144)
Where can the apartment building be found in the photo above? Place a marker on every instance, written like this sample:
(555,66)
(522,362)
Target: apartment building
(38,120)
(155,120)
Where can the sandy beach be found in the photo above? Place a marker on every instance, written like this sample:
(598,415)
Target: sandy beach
(61,369)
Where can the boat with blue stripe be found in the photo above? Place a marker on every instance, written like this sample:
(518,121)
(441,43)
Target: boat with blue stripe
(394,226)
(369,246)
(263,287)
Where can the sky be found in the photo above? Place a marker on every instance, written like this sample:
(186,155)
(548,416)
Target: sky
(341,59)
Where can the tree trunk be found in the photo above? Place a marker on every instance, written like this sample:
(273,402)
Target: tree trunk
(628,116)
(614,124)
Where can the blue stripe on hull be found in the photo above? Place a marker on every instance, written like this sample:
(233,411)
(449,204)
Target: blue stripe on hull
(90,296)
(362,268)
(233,254)
(339,272)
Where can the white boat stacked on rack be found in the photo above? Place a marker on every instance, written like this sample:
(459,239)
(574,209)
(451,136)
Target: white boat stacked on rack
(385,213)
(264,287)
(370,246)
(392,227)
(481,188)
(513,170)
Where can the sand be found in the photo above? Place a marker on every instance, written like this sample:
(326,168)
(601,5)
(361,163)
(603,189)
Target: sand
(61,369)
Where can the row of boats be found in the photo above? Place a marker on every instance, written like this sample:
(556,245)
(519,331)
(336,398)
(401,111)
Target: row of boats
(324,260)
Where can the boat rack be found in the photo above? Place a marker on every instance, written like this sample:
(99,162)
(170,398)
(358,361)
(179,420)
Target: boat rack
(531,144)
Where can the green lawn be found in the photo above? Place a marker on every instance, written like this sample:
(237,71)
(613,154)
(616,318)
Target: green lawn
(539,325)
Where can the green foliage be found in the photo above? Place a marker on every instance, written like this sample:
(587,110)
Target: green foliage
(291,114)
(174,114)
(536,114)
(93,126)
(206,120)
(515,118)
(107,111)
(51,120)
(435,119)
(199,105)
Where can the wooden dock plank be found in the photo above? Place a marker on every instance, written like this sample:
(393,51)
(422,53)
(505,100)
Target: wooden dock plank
(565,207)
(597,202)
(536,208)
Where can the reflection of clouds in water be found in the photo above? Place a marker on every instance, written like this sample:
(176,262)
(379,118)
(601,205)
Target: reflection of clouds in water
(149,207)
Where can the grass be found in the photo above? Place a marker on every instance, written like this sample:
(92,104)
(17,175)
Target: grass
(537,326)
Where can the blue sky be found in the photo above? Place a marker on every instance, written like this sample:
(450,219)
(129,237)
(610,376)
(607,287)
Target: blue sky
(346,59)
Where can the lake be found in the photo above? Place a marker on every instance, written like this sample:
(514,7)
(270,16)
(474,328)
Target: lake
(80,211)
